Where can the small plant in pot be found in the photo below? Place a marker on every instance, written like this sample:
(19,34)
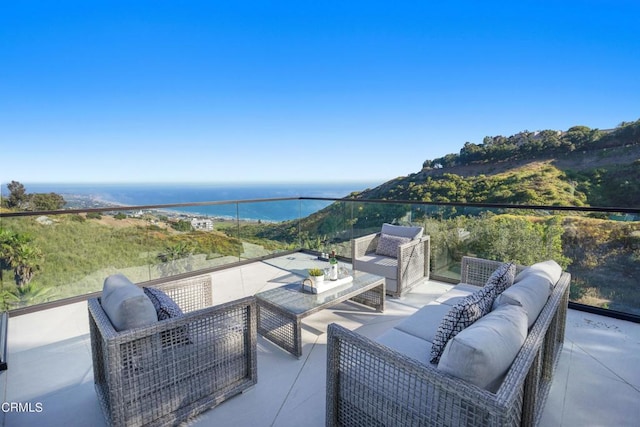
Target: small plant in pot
(316,275)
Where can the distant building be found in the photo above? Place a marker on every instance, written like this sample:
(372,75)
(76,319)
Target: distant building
(202,224)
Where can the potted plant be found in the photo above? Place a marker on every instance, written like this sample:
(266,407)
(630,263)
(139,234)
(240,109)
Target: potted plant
(316,275)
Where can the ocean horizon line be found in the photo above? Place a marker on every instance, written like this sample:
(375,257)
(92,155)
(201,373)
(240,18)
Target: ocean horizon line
(131,195)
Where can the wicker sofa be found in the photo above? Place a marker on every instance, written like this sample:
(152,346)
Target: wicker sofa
(403,269)
(173,369)
(391,382)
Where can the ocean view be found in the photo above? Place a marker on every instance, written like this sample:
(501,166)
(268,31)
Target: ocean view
(79,195)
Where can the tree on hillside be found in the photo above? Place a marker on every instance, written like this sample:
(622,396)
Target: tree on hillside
(17,195)
(46,202)
(19,199)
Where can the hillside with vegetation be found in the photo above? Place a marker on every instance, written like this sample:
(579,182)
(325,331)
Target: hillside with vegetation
(49,258)
(580,167)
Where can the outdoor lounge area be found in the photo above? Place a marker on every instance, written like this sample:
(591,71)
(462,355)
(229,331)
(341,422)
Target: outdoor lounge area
(597,380)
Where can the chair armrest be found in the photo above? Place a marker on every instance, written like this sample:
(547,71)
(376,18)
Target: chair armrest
(192,293)
(476,271)
(413,262)
(364,245)
(369,383)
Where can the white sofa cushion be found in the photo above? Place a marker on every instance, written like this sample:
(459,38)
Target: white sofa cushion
(126,304)
(531,293)
(550,270)
(424,322)
(471,308)
(457,294)
(407,344)
(388,244)
(483,352)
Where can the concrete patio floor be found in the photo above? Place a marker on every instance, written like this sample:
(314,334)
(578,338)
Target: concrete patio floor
(49,356)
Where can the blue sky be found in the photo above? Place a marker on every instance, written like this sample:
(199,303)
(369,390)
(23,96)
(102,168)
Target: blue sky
(247,91)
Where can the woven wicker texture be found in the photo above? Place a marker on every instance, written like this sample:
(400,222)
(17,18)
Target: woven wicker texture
(168,372)
(370,384)
(281,310)
(412,260)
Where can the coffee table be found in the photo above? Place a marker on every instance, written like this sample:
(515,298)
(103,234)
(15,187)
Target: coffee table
(281,310)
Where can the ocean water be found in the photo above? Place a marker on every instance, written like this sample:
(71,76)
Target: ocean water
(160,194)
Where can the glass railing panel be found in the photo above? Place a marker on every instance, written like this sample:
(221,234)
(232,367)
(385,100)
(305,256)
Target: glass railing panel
(53,257)
(193,238)
(368,217)
(267,228)
(600,250)
(328,229)
(604,255)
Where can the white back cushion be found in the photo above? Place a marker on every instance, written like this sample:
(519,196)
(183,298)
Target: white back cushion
(483,352)
(402,231)
(125,304)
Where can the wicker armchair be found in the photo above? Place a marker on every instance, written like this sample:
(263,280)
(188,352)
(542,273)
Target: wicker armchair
(401,273)
(174,369)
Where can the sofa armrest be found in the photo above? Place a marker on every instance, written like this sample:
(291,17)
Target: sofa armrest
(476,271)
(371,384)
(364,245)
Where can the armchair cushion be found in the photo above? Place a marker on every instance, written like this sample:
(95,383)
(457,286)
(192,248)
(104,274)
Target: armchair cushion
(378,264)
(126,304)
(402,231)
(388,244)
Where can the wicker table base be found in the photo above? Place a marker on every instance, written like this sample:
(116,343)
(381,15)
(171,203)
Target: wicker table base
(281,310)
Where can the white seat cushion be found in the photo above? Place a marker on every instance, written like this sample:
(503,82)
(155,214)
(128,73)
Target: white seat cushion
(407,344)
(457,294)
(377,264)
(483,352)
(424,322)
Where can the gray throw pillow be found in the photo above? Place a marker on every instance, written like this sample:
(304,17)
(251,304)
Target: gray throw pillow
(165,307)
(501,279)
(388,245)
(461,315)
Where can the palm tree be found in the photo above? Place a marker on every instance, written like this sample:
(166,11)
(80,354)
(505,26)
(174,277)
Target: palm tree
(29,294)
(21,256)
(176,259)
